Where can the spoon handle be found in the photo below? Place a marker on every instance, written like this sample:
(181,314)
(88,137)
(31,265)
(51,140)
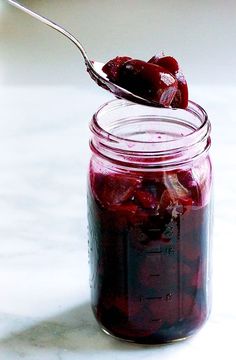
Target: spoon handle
(55,26)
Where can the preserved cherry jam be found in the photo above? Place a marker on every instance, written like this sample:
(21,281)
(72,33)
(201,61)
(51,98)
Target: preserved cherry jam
(149,228)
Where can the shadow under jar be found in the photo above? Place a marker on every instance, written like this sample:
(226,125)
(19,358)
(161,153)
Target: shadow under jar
(149,217)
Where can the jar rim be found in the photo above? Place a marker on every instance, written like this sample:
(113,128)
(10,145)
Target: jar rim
(107,141)
(129,103)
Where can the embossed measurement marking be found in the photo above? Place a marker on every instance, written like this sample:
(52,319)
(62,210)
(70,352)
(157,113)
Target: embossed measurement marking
(167,297)
(155,275)
(170,250)
(153,298)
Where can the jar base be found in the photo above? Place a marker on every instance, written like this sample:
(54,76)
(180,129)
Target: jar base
(142,342)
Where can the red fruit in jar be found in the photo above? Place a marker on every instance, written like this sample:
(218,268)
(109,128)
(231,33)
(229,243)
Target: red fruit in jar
(167,62)
(112,67)
(150,81)
(177,197)
(176,189)
(187,179)
(162,275)
(149,263)
(173,308)
(191,249)
(126,210)
(154,186)
(171,64)
(165,310)
(127,306)
(146,199)
(197,278)
(167,199)
(113,189)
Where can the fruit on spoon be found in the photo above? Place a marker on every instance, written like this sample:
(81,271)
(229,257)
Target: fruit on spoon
(112,67)
(169,63)
(158,80)
(147,80)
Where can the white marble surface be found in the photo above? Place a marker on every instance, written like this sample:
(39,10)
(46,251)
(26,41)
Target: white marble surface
(44,298)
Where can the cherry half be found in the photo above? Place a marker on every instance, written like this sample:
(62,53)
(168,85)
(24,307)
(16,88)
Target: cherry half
(112,67)
(169,63)
(149,81)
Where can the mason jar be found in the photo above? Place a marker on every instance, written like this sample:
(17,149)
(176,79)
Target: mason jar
(149,221)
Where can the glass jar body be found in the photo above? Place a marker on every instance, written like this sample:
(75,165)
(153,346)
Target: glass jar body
(149,247)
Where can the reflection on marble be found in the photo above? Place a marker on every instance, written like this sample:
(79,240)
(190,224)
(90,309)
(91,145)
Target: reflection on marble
(44,301)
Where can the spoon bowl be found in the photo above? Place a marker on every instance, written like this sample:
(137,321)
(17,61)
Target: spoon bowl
(94,68)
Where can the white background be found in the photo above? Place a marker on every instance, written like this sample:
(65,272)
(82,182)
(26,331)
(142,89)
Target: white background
(201,34)
(46,101)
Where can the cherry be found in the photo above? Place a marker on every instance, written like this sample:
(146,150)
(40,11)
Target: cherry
(191,248)
(187,179)
(150,81)
(171,64)
(176,196)
(181,97)
(167,62)
(127,306)
(197,278)
(165,309)
(175,308)
(113,189)
(146,199)
(112,67)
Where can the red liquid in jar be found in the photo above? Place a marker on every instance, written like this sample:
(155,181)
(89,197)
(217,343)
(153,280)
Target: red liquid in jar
(148,238)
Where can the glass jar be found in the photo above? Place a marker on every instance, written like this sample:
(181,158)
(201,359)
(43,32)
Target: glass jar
(149,218)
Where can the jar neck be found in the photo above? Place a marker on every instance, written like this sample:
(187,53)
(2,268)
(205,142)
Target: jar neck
(134,135)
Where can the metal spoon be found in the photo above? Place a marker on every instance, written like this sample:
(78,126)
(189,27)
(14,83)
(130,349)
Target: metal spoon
(94,68)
